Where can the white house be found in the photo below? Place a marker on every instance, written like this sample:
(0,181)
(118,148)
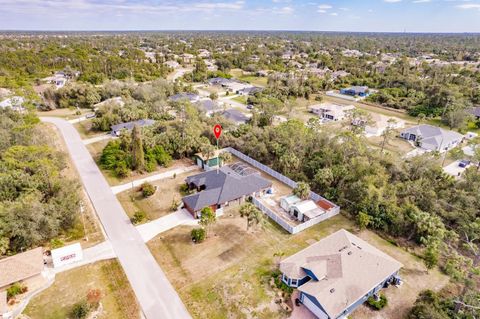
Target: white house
(379,123)
(302,210)
(14,102)
(330,111)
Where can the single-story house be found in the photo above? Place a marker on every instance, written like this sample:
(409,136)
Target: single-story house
(208,163)
(476,112)
(172,64)
(20,267)
(379,123)
(208,106)
(432,138)
(249,90)
(187,58)
(330,111)
(235,116)
(356,91)
(191,97)
(229,185)
(15,103)
(219,81)
(118,128)
(117,101)
(338,274)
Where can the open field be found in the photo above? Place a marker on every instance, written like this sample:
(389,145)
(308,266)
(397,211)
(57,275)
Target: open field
(159,204)
(227,275)
(86,225)
(72,287)
(255,80)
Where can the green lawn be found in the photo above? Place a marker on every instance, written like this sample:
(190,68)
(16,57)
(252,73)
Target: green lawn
(241,99)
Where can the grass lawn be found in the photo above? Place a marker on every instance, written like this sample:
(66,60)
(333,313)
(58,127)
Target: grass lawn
(227,275)
(255,80)
(396,145)
(84,128)
(160,203)
(72,287)
(240,99)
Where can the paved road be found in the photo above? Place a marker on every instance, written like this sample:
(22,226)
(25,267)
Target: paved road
(154,292)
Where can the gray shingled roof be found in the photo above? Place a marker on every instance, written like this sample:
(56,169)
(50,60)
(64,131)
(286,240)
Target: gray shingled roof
(433,135)
(223,186)
(207,105)
(235,116)
(184,96)
(130,125)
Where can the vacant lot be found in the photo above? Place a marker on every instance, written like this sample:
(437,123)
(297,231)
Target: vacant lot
(84,128)
(86,225)
(72,287)
(396,145)
(67,113)
(227,275)
(159,204)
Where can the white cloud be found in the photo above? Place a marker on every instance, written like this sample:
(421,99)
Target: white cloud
(469,6)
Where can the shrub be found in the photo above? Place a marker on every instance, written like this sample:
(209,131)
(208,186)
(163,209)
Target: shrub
(16,289)
(139,217)
(277,277)
(185,190)
(56,243)
(161,156)
(148,189)
(377,304)
(80,310)
(93,297)
(122,170)
(198,235)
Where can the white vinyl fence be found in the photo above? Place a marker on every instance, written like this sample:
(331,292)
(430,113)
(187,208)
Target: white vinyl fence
(314,196)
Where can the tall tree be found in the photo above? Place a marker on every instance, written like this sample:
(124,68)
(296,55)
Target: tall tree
(252,214)
(138,157)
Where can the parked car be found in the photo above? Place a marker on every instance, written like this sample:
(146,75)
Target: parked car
(464,163)
(250,106)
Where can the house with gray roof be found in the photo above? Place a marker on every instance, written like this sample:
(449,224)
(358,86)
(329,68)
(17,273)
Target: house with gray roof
(117,129)
(235,116)
(361,91)
(190,97)
(208,106)
(338,274)
(432,138)
(229,185)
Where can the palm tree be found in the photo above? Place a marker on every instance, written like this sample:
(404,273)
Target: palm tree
(252,214)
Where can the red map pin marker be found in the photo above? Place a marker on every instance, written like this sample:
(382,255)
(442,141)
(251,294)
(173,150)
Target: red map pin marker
(217,130)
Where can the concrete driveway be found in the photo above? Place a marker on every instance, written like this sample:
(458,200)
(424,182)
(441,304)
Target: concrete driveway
(157,297)
(455,170)
(162,224)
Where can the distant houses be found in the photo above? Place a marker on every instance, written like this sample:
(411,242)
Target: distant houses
(432,138)
(118,128)
(338,274)
(330,111)
(190,97)
(361,91)
(172,64)
(15,103)
(208,106)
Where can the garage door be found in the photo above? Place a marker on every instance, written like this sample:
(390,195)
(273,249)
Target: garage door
(313,308)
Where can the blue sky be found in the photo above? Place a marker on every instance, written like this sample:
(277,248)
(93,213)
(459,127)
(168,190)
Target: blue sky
(334,15)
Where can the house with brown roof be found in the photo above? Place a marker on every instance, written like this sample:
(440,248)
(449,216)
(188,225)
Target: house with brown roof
(338,274)
(21,267)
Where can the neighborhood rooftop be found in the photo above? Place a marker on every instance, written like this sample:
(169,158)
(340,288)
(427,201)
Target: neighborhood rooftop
(433,135)
(21,266)
(343,267)
(227,184)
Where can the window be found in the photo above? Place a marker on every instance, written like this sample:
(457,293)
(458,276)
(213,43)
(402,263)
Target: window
(294,282)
